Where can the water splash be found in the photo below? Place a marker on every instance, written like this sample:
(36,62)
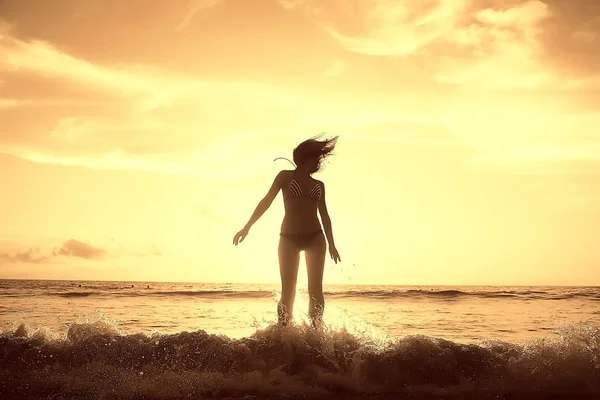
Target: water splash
(345,357)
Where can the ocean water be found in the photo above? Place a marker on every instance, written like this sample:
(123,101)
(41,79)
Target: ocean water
(134,340)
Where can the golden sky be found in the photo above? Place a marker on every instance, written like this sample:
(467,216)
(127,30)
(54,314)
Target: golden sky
(136,137)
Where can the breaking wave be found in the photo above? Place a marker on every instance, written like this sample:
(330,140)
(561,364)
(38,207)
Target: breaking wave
(99,358)
(415,294)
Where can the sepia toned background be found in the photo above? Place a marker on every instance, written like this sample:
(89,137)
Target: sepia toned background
(137,137)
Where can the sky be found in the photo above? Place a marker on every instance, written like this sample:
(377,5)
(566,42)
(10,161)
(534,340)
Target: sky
(138,136)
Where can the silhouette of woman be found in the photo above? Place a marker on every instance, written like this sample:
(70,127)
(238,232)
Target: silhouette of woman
(300,229)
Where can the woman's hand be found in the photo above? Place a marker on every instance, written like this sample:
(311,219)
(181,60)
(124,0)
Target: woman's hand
(239,237)
(335,256)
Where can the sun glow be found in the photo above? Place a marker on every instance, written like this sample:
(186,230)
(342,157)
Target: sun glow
(157,151)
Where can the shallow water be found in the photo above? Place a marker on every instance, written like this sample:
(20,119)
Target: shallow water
(170,341)
(463,314)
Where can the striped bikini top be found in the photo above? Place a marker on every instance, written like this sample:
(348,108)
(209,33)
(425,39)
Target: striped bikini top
(295,190)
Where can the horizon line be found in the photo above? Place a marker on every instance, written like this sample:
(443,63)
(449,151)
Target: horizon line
(277,283)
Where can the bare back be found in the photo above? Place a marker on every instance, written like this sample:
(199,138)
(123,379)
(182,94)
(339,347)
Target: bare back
(300,211)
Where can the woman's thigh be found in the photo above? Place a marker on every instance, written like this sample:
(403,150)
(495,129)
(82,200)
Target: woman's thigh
(315,263)
(289,259)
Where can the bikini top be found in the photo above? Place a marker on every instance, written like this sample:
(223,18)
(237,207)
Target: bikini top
(295,190)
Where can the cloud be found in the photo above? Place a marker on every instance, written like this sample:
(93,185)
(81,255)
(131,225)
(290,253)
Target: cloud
(437,59)
(539,158)
(70,248)
(483,44)
(5,28)
(571,38)
(129,129)
(41,56)
(5,103)
(198,5)
(526,132)
(522,16)
(75,248)
(414,131)
(589,84)
(31,256)
(389,27)
(570,180)
(151,119)
(504,50)
(291,4)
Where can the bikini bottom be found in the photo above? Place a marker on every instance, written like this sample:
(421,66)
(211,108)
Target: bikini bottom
(301,240)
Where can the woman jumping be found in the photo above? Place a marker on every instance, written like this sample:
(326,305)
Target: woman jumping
(300,229)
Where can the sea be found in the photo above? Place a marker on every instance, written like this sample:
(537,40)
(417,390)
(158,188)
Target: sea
(168,340)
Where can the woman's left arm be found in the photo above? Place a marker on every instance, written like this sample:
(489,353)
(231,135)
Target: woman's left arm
(326,220)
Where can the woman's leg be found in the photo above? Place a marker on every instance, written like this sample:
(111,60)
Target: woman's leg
(289,258)
(315,263)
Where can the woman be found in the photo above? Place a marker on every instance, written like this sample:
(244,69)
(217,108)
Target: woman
(300,229)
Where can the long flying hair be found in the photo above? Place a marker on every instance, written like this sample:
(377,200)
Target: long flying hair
(314,147)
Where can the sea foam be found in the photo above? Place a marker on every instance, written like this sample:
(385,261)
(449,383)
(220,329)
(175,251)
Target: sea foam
(100,358)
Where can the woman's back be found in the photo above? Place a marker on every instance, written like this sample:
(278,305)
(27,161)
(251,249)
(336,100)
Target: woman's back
(301,197)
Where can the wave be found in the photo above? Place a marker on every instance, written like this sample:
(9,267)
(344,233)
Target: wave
(292,361)
(76,294)
(256,294)
(365,294)
(221,293)
(449,294)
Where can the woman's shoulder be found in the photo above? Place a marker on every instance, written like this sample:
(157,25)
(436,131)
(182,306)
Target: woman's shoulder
(285,175)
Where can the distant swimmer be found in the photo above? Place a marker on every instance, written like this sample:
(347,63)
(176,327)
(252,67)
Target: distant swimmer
(301,230)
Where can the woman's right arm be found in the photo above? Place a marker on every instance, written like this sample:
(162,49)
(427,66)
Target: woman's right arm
(262,206)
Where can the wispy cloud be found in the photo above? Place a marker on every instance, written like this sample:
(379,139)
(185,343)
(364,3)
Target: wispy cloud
(166,122)
(388,27)
(150,105)
(197,6)
(461,42)
(538,159)
(125,116)
(5,103)
(505,50)
(291,4)
(25,103)
(41,56)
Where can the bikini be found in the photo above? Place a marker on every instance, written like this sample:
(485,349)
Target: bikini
(302,240)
